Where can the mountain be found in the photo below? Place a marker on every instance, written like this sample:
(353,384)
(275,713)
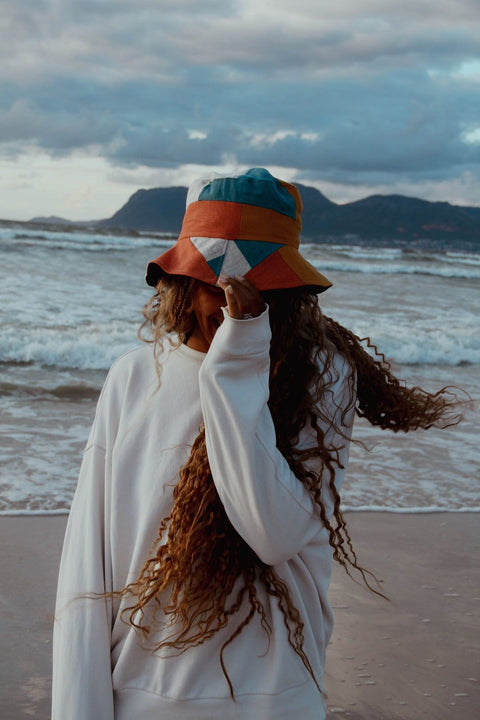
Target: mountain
(157,210)
(378,218)
(51,220)
(401,218)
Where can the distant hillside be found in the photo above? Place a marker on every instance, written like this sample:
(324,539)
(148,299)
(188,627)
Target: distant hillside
(51,220)
(380,218)
(158,210)
(401,218)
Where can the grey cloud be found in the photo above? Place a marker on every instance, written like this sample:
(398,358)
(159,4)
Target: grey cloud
(161,148)
(428,11)
(399,123)
(350,82)
(146,38)
(339,154)
(57,133)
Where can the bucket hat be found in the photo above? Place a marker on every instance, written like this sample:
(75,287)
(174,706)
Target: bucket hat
(245,224)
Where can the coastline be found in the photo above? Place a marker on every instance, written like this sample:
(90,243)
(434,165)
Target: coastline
(413,657)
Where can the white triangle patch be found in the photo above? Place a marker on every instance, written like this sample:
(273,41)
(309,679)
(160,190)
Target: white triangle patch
(210,247)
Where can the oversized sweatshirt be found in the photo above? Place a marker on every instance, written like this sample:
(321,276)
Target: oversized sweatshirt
(141,437)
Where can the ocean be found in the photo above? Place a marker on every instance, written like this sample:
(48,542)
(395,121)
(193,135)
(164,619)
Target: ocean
(71,304)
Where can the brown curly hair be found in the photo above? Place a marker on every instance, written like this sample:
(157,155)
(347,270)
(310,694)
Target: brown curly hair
(198,556)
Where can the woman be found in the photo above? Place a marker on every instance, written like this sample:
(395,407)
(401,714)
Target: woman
(199,547)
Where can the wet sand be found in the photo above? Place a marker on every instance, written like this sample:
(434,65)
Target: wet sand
(413,658)
(416,657)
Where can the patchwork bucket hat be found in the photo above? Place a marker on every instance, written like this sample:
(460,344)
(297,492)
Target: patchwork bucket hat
(247,224)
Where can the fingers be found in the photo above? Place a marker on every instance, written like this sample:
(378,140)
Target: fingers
(242,296)
(233,305)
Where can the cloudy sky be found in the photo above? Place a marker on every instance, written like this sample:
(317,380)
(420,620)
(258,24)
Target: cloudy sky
(101,97)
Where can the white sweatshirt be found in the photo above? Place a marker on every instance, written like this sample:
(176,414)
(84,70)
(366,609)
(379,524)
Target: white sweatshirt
(141,436)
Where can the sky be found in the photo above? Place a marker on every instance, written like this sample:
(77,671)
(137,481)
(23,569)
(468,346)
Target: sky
(99,98)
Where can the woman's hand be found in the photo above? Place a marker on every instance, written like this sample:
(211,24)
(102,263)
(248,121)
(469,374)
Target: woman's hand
(243,299)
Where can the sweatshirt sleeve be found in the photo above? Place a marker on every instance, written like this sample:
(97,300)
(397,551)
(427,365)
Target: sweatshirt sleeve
(82,677)
(265,502)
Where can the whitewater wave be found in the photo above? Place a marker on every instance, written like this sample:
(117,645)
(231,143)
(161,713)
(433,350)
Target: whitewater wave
(97,346)
(85,242)
(335,257)
(89,347)
(466,273)
(391,261)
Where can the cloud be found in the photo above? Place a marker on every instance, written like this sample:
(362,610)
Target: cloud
(356,91)
(117,39)
(59,132)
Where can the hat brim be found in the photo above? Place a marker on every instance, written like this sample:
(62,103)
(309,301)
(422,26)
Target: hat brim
(284,268)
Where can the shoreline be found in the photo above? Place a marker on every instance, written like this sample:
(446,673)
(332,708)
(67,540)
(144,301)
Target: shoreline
(413,657)
(347,510)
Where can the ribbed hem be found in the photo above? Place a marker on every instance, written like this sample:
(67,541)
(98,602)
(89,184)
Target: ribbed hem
(303,702)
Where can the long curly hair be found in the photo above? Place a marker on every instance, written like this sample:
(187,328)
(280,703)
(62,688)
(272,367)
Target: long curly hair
(201,570)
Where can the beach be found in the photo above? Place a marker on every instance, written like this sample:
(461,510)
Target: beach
(412,658)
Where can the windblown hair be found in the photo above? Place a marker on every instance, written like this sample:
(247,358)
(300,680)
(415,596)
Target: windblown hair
(202,572)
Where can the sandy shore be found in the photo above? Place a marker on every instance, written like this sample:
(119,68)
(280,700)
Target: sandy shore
(413,658)
(416,657)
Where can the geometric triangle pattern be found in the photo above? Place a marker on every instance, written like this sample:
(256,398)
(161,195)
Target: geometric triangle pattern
(256,252)
(216,265)
(210,247)
(234,262)
(233,257)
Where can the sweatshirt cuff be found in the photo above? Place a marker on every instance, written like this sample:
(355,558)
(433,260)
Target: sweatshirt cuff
(243,337)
